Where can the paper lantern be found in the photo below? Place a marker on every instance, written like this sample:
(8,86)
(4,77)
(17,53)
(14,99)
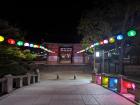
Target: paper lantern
(98,79)
(101,42)
(128,85)
(26,44)
(96,44)
(20,43)
(1,38)
(105,41)
(31,45)
(11,41)
(119,37)
(35,46)
(111,40)
(113,83)
(105,81)
(131,33)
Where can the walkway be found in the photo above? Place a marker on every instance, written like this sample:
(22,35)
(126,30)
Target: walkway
(64,92)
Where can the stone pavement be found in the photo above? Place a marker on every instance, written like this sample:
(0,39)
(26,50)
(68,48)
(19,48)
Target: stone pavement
(64,92)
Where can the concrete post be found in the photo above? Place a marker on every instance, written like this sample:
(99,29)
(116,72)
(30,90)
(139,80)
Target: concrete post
(33,79)
(93,77)
(20,82)
(28,78)
(4,85)
(38,75)
(75,76)
(9,85)
(57,77)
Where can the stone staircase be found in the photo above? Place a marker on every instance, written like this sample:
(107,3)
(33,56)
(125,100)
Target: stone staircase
(65,71)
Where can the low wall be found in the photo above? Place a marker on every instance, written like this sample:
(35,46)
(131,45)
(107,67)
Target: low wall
(10,82)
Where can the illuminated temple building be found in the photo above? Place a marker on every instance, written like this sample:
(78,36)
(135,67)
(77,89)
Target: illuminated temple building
(65,54)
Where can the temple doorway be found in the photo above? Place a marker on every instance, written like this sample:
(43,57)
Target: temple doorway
(65,55)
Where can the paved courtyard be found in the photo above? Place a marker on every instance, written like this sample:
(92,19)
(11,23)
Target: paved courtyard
(64,92)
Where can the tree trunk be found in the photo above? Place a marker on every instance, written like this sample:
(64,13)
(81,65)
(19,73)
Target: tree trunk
(126,16)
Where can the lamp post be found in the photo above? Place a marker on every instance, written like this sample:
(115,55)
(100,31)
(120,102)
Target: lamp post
(94,60)
(103,61)
(97,54)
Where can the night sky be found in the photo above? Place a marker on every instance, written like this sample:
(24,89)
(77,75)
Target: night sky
(53,22)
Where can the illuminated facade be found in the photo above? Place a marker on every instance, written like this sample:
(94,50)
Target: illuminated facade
(65,54)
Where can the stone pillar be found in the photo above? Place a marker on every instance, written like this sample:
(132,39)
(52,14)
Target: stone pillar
(38,75)
(28,78)
(33,79)
(93,77)
(4,85)
(9,85)
(20,82)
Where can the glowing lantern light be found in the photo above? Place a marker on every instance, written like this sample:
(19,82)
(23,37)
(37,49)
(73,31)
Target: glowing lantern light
(38,46)
(127,85)
(96,44)
(41,47)
(35,46)
(105,81)
(133,86)
(11,41)
(120,37)
(116,81)
(1,38)
(101,42)
(31,45)
(105,41)
(131,33)
(26,44)
(113,83)
(20,43)
(98,79)
(111,40)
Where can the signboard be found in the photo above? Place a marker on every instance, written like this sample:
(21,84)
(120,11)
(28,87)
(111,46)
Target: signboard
(65,55)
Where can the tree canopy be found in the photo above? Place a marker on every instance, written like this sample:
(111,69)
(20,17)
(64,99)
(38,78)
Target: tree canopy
(107,19)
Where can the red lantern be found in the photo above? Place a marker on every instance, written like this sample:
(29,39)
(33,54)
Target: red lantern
(101,42)
(127,85)
(11,41)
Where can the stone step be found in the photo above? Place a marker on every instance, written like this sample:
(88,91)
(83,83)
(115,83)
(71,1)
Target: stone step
(64,68)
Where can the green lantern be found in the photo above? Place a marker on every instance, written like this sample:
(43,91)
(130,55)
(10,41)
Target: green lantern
(20,43)
(131,33)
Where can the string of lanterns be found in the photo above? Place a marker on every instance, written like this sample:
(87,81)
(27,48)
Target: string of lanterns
(25,44)
(111,40)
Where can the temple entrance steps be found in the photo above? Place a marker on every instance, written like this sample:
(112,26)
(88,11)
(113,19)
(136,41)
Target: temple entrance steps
(65,71)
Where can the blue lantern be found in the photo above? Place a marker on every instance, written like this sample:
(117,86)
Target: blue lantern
(113,84)
(119,37)
(31,45)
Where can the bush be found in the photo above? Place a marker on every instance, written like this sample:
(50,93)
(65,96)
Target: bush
(14,69)
(14,61)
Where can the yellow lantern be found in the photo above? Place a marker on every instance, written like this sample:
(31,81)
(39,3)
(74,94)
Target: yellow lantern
(111,40)
(1,38)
